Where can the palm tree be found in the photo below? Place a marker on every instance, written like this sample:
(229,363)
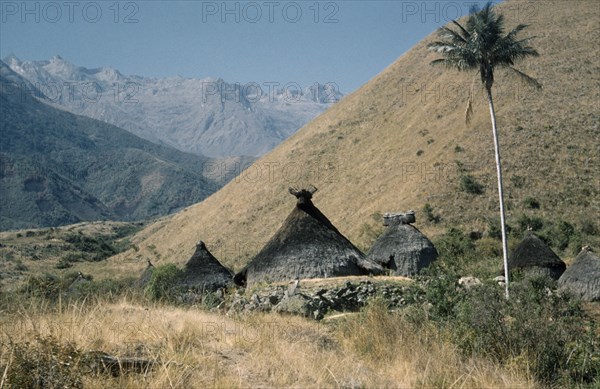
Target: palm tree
(482,46)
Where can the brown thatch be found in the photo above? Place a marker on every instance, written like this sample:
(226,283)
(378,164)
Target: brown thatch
(402,247)
(203,272)
(534,257)
(307,245)
(583,276)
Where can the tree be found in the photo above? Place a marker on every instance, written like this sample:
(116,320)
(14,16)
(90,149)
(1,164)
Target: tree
(481,46)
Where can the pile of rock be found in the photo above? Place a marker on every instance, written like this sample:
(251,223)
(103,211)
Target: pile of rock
(316,302)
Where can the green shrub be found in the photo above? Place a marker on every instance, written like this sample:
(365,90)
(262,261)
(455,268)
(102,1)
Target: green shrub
(531,203)
(429,215)
(164,283)
(454,244)
(106,290)
(20,266)
(469,185)
(494,230)
(98,246)
(525,222)
(518,181)
(47,286)
(559,235)
(537,327)
(588,227)
(63,264)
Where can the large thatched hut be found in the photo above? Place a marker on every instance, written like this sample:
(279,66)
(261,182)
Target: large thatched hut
(583,276)
(203,272)
(307,245)
(534,257)
(402,247)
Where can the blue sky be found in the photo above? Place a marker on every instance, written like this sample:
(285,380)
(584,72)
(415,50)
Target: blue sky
(345,42)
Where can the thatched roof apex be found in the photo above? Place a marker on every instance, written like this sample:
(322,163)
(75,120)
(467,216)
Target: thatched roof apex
(532,253)
(307,245)
(204,271)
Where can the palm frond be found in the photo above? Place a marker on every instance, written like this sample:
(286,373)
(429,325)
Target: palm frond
(469,110)
(454,36)
(526,78)
(466,34)
(439,61)
(513,33)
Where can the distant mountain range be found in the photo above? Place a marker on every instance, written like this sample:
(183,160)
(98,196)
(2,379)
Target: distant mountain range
(202,116)
(58,168)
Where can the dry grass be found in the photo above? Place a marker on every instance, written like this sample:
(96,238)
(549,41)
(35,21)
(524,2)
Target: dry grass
(200,350)
(362,153)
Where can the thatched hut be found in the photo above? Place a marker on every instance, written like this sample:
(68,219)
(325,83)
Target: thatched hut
(307,245)
(535,258)
(402,247)
(583,276)
(203,272)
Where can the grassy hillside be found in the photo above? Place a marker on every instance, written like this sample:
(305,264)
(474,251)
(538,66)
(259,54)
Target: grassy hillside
(400,142)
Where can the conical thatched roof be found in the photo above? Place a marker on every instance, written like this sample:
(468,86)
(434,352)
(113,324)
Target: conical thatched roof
(535,257)
(307,245)
(402,247)
(583,276)
(203,271)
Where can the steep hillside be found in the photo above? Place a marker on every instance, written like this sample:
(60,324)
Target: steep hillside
(207,117)
(400,142)
(58,168)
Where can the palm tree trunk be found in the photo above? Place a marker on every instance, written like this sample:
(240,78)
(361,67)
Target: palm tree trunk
(500,190)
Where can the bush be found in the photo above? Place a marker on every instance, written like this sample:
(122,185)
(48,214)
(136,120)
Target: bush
(518,181)
(105,290)
(63,264)
(163,284)
(494,230)
(524,222)
(43,364)
(531,203)
(468,184)
(588,227)
(559,235)
(46,286)
(429,215)
(454,244)
(536,327)
(98,246)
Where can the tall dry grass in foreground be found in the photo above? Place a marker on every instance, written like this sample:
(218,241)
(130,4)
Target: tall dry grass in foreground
(197,349)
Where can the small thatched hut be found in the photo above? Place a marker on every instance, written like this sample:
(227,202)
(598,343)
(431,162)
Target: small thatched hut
(534,257)
(203,272)
(583,276)
(402,247)
(307,245)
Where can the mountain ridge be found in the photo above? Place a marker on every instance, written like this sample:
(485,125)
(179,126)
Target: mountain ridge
(207,116)
(58,168)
